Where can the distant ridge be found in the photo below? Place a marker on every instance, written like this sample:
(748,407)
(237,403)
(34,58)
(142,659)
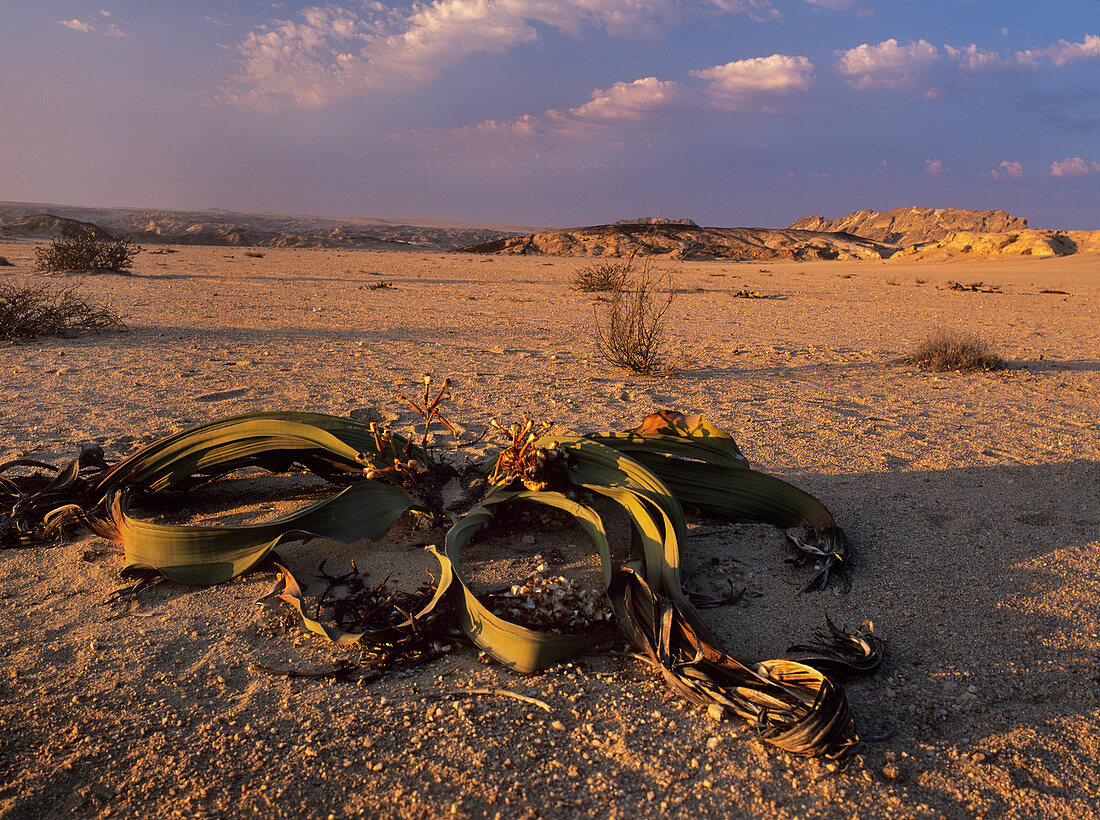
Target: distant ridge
(902,233)
(215,227)
(912,225)
(50,226)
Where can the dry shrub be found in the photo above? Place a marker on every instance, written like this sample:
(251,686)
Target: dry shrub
(631,331)
(947,350)
(85,251)
(27,313)
(603,277)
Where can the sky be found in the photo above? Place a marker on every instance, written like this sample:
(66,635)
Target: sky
(555,112)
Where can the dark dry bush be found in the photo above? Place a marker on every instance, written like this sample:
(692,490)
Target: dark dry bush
(602,277)
(30,312)
(945,351)
(85,251)
(631,331)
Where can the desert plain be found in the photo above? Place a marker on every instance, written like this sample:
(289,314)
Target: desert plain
(972,502)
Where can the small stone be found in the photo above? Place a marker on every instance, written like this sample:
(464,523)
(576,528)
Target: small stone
(557,724)
(716,713)
(890,771)
(712,743)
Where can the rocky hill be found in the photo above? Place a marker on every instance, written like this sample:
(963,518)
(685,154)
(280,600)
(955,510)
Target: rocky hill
(964,244)
(912,226)
(686,240)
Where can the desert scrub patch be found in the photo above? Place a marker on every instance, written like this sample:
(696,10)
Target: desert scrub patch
(30,312)
(87,252)
(947,350)
(631,330)
(603,277)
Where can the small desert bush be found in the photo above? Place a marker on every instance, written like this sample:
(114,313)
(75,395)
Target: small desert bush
(945,351)
(603,277)
(630,330)
(85,251)
(27,313)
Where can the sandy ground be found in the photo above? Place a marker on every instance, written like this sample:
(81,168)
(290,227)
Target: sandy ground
(971,501)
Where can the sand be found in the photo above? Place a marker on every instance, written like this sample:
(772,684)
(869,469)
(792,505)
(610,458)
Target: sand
(971,502)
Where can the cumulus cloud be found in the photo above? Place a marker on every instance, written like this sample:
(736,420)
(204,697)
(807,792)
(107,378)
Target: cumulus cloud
(934,167)
(889,65)
(1063,53)
(644,99)
(1073,167)
(733,82)
(611,115)
(976,59)
(886,65)
(1011,169)
(329,53)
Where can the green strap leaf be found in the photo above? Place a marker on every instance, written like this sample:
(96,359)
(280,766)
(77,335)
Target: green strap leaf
(199,555)
(515,646)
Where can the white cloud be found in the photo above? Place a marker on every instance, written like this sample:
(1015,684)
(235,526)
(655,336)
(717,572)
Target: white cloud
(887,65)
(643,99)
(1073,167)
(611,115)
(329,53)
(934,167)
(973,58)
(1063,53)
(76,25)
(733,82)
(1011,169)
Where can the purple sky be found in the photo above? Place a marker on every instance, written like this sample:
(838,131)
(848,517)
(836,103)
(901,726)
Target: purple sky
(555,112)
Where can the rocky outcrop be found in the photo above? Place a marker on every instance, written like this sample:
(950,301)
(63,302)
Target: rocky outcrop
(912,226)
(964,244)
(688,241)
(656,220)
